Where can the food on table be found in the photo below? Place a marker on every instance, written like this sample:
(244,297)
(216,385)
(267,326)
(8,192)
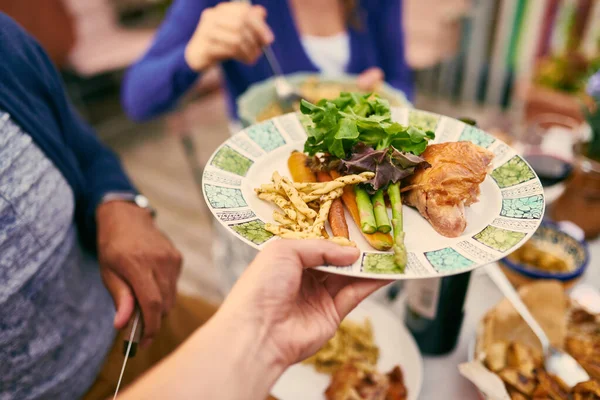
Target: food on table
(352,342)
(442,192)
(350,357)
(313,89)
(337,218)
(352,383)
(378,240)
(531,255)
(508,347)
(305,205)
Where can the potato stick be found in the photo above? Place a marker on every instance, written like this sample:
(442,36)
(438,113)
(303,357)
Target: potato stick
(323,213)
(282,219)
(295,198)
(281,202)
(342,241)
(379,241)
(276,178)
(308,187)
(290,234)
(343,181)
(269,188)
(334,194)
(337,218)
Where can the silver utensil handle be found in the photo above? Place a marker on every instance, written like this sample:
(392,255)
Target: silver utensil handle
(496,275)
(272,61)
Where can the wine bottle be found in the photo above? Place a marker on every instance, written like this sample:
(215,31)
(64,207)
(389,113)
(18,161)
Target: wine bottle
(435,311)
(435,307)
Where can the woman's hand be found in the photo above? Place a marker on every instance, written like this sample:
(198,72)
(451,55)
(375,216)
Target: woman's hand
(370,79)
(230,30)
(294,308)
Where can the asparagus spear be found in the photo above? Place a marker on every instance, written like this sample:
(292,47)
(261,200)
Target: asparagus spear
(398,246)
(380,210)
(365,208)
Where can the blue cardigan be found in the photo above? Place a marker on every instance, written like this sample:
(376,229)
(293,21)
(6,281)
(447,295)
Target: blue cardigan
(162,76)
(31,91)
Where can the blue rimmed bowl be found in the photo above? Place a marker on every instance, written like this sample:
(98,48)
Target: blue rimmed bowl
(554,239)
(259,96)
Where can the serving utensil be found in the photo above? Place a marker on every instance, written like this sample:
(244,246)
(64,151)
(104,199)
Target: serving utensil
(556,361)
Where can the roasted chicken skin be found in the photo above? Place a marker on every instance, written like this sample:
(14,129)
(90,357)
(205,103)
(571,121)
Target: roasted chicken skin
(442,192)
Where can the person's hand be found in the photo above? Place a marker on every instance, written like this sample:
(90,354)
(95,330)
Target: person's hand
(370,79)
(135,257)
(230,30)
(297,309)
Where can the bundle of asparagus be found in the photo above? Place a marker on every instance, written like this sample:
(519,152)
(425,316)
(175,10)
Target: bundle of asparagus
(374,217)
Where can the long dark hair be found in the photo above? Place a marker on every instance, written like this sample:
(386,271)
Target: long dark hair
(351,10)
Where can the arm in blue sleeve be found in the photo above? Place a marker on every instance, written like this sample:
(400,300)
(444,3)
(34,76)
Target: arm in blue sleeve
(102,172)
(392,48)
(156,82)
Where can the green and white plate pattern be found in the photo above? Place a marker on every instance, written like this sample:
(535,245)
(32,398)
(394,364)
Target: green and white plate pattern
(509,211)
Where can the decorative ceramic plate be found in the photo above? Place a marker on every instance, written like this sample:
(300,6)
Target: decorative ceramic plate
(396,347)
(259,96)
(509,211)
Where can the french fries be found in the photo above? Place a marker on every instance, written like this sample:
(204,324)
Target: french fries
(299,220)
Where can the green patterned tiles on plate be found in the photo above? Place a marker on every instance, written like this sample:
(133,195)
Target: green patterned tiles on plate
(513,172)
(266,136)
(230,160)
(380,263)
(253,231)
(523,207)
(423,120)
(498,238)
(477,136)
(223,197)
(447,260)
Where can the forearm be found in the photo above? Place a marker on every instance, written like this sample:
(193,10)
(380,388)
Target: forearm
(155,84)
(221,360)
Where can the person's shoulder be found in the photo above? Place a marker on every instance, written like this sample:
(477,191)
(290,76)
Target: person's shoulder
(12,35)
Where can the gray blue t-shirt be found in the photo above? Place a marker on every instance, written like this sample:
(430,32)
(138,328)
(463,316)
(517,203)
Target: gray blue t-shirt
(55,313)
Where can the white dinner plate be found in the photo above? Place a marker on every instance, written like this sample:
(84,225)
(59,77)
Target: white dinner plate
(396,347)
(509,211)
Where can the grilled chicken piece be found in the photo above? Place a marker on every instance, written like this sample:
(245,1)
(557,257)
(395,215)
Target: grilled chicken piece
(442,192)
(351,383)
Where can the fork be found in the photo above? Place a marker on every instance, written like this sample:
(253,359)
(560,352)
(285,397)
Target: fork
(556,362)
(285,92)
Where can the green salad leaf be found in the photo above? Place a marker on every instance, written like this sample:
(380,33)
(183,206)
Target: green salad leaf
(338,125)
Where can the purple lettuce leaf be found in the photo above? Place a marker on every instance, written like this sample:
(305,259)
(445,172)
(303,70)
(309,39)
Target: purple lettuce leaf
(389,165)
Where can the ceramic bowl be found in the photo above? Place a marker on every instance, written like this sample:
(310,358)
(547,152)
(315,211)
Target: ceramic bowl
(554,239)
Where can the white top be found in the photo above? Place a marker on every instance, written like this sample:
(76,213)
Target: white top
(330,54)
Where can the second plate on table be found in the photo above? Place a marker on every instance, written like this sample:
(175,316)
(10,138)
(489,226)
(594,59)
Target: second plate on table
(396,347)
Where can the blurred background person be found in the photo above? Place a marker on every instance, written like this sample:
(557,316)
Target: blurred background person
(332,37)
